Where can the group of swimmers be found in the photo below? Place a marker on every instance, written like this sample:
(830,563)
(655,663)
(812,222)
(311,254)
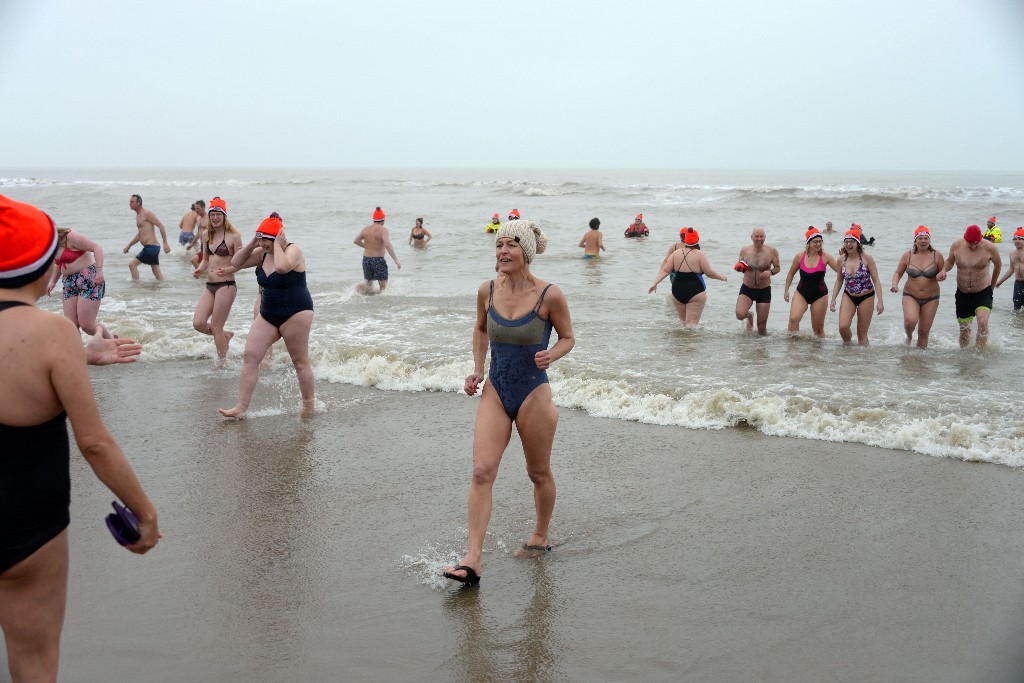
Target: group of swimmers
(857,279)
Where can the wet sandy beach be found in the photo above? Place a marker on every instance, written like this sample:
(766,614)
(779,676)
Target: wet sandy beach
(307,550)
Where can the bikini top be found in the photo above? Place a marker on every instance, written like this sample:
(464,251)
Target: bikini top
(221,250)
(860,282)
(419,235)
(929,272)
(67,257)
(529,330)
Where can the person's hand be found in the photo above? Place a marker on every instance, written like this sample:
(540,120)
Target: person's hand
(149,536)
(653,289)
(832,305)
(195,273)
(542,359)
(100,277)
(398,265)
(125,250)
(167,248)
(785,296)
(100,351)
(473,383)
(880,308)
(280,239)
(765,277)
(894,289)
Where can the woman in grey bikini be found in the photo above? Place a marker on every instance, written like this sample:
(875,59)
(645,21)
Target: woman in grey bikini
(925,269)
(220,241)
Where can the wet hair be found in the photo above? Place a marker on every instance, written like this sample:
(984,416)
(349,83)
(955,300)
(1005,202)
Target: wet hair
(192,208)
(137,198)
(200,202)
(594,223)
(420,221)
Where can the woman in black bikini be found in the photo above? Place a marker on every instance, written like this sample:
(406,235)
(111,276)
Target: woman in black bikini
(690,265)
(419,235)
(45,383)
(218,295)
(925,269)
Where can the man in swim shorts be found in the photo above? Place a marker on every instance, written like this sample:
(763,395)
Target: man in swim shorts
(758,262)
(187,228)
(1016,268)
(374,240)
(972,255)
(593,240)
(146,235)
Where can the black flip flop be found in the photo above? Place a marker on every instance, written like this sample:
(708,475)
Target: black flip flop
(470,579)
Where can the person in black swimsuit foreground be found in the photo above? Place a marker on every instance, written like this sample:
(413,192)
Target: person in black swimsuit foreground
(286,310)
(219,293)
(45,383)
(925,269)
(514,312)
(687,265)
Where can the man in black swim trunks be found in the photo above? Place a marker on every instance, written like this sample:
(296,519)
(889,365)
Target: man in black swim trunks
(972,255)
(759,262)
(146,223)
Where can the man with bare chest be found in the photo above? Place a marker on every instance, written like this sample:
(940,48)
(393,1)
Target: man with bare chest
(972,255)
(146,235)
(758,262)
(375,240)
(1016,270)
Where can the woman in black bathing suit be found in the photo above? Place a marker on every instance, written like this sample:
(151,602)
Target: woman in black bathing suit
(811,289)
(925,269)
(45,383)
(286,311)
(219,244)
(419,235)
(690,265)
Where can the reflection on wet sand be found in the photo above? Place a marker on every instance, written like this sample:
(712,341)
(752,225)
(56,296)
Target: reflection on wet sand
(498,644)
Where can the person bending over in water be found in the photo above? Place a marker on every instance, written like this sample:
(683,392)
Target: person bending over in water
(688,266)
(925,269)
(45,384)
(286,311)
(80,261)
(811,290)
(516,313)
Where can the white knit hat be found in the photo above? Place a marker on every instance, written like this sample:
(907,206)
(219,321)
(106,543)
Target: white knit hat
(528,234)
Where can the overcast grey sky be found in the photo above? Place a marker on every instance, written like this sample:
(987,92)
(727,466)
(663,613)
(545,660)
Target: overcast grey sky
(731,84)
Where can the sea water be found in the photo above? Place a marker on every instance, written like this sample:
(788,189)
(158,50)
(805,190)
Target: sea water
(633,360)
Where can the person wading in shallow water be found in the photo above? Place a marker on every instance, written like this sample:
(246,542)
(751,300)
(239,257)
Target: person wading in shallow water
(515,312)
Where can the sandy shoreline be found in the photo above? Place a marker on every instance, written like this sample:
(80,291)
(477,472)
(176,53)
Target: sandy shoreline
(308,550)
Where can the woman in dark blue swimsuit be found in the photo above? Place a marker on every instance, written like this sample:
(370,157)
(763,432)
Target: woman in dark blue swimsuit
(515,315)
(286,311)
(45,382)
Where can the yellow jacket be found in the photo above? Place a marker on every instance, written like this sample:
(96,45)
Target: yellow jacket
(492,227)
(993,234)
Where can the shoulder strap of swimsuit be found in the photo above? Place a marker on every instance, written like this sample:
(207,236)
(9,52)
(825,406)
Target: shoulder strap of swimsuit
(4,305)
(536,308)
(490,298)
